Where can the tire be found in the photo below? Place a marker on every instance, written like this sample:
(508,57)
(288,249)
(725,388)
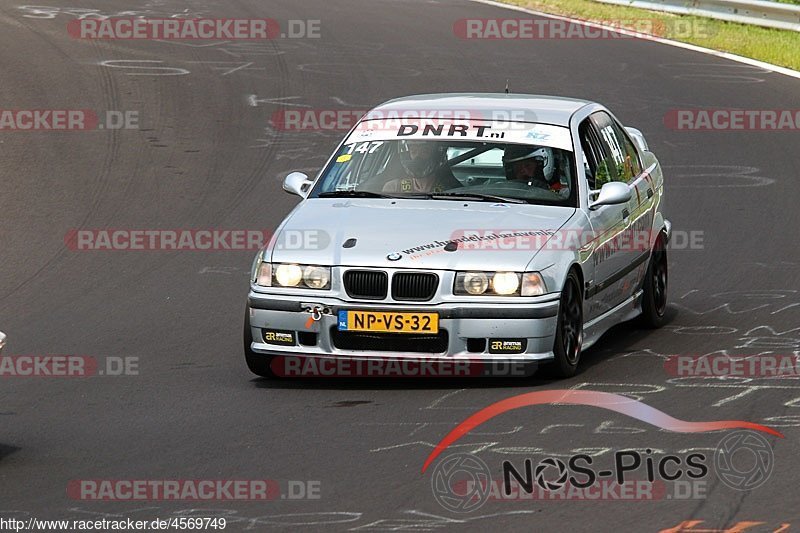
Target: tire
(259,364)
(569,330)
(656,280)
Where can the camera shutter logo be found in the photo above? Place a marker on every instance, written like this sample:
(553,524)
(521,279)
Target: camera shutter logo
(461,482)
(744,460)
(559,481)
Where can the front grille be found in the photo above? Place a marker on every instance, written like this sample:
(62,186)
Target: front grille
(414,286)
(366,284)
(389,342)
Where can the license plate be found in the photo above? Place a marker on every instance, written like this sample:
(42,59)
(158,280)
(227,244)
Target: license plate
(425,323)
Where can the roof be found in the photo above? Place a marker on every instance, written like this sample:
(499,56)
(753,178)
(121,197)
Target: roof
(487,106)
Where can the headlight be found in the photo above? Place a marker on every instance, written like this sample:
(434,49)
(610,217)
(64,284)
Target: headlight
(475,282)
(316,277)
(264,275)
(288,275)
(499,284)
(254,269)
(505,283)
(532,284)
(293,275)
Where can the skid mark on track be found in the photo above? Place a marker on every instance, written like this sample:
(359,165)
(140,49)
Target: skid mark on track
(716,72)
(380,70)
(423,521)
(254,101)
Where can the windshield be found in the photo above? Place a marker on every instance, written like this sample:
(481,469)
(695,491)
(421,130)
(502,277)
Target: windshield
(444,169)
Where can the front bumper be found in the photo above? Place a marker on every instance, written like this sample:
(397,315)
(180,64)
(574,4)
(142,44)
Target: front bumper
(466,329)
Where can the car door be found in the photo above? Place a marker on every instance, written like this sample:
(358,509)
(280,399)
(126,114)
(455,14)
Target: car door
(643,204)
(611,252)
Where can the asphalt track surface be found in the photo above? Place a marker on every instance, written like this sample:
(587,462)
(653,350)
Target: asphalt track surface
(204,157)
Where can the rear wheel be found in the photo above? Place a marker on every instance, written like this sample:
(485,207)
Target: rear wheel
(569,330)
(654,297)
(259,364)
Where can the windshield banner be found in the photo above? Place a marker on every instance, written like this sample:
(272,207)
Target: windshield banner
(467,129)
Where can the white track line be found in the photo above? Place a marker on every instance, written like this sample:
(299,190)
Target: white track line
(733,57)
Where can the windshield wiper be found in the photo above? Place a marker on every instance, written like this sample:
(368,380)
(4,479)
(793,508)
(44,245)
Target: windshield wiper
(353,194)
(475,196)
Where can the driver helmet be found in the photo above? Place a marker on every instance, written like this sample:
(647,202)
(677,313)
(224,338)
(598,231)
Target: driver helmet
(543,154)
(422,158)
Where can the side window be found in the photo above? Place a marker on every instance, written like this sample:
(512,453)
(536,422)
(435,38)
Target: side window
(623,156)
(631,154)
(597,163)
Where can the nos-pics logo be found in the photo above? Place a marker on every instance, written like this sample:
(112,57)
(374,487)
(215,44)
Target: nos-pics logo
(462,482)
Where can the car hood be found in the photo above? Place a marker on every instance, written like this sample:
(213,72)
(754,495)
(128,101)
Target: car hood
(378,230)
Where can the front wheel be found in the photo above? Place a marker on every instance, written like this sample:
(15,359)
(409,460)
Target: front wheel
(569,330)
(259,364)
(654,297)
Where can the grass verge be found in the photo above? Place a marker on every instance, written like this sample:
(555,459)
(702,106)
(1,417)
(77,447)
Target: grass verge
(779,47)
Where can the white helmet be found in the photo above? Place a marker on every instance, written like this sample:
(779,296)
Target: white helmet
(520,153)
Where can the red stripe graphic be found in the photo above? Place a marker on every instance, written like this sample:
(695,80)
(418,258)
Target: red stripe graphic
(606,400)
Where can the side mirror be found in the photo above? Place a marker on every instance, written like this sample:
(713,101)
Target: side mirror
(297,183)
(2,340)
(638,138)
(612,193)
